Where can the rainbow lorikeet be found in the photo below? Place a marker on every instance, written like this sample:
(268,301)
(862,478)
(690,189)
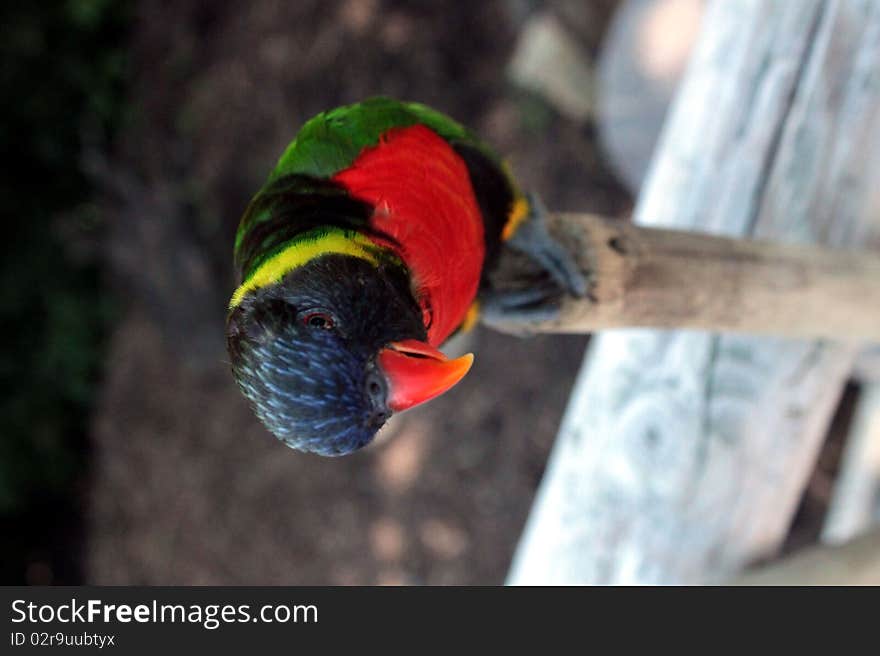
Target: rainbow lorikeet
(368,246)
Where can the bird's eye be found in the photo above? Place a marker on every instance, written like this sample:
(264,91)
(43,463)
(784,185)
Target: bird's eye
(319,320)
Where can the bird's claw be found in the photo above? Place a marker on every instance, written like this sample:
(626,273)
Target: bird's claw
(540,302)
(534,240)
(520,301)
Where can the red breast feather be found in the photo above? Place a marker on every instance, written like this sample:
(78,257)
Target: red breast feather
(423,198)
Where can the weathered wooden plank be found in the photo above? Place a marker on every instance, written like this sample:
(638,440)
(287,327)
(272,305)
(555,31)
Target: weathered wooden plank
(855,502)
(682,455)
(867,369)
(856,562)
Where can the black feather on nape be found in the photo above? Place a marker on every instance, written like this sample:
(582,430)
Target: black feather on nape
(293,205)
(493,193)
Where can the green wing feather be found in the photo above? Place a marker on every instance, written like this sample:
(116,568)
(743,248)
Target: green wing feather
(332,140)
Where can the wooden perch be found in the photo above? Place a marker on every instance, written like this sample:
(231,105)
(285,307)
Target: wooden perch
(646,277)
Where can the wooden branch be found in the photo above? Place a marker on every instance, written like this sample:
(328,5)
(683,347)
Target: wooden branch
(646,277)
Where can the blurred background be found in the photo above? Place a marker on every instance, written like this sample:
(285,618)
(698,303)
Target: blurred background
(135,132)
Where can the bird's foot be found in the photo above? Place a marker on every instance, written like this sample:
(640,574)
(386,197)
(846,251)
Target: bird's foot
(534,240)
(519,301)
(541,301)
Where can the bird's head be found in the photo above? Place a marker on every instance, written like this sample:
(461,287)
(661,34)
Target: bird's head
(329,353)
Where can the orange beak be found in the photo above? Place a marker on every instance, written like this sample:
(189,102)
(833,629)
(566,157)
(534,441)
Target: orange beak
(417,372)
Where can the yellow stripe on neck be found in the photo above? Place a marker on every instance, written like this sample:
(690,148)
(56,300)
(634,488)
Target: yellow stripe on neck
(302,252)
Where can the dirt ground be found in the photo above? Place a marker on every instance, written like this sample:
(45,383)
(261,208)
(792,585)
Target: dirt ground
(186,487)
